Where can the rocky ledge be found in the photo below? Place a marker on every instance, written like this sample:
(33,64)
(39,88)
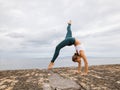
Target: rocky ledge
(102,77)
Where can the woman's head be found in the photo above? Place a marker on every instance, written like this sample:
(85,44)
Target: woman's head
(76,57)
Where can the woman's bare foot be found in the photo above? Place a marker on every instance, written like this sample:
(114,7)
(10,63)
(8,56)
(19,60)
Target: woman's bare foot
(50,66)
(70,22)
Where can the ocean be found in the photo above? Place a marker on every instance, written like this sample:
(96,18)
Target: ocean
(42,63)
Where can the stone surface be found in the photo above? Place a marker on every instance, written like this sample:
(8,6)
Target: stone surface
(46,86)
(102,77)
(58,82)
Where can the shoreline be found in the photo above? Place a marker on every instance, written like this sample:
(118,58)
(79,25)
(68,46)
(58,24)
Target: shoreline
(3,70)
(100,77)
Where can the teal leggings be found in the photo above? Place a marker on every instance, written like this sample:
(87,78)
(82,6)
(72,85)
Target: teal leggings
(68,41)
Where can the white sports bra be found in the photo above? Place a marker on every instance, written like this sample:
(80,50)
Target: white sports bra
(79,47)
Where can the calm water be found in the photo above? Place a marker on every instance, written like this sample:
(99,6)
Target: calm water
(40,63)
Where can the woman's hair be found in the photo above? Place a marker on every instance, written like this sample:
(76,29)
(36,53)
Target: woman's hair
(75,56)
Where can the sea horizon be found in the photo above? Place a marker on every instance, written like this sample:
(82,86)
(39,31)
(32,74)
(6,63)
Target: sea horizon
(42,63)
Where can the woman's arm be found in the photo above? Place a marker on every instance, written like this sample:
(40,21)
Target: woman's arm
(85,62)
(79,66)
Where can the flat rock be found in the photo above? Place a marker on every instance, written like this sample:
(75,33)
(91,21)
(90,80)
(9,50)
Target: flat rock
(46,86)
(59,83)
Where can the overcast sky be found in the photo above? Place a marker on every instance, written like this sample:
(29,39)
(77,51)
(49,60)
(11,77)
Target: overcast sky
(33,28)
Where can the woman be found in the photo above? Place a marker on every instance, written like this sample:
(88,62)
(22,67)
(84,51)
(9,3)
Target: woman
(68,41)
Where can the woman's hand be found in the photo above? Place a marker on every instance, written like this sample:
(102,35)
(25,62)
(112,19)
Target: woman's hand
(83,74)
(77,72)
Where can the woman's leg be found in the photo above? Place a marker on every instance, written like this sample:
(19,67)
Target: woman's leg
(58,48)
(69,32)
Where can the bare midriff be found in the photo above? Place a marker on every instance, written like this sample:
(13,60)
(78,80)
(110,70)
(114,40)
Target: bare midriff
(77,42)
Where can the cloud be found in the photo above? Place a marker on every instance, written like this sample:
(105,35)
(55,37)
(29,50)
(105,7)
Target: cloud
(15,35)
(37,26)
